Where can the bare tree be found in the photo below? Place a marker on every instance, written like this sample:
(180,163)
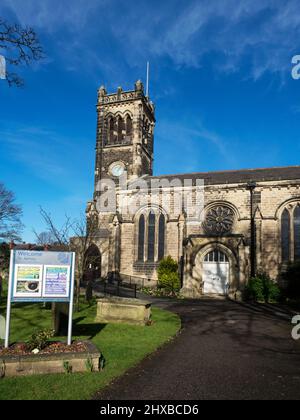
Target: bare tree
(84,236)
(73,235)
(58,235)
(19,45)
(44,238)
(10,215)
(4,257)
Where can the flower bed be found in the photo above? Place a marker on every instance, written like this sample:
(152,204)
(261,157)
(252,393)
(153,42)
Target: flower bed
(21,349)
(81,356)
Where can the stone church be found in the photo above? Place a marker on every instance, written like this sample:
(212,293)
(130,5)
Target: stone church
(248,220)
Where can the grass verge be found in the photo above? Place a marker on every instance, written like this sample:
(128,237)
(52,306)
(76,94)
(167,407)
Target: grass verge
(123,347)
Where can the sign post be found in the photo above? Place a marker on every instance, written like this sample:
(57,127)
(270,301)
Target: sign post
(40,276)
(71,304)
(8,310)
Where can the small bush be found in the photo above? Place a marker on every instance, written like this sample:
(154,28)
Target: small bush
(167,265)
(68,368)
(262,289)
(254,290)
(292,279)
(39,340)
(169,281)
(159,292)
(168,277)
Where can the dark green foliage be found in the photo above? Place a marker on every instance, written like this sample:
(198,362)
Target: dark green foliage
(39,340)
(158,292)
(292,279)
(89,365)
(4,256)
(262,289)
(168,277)
(67,367)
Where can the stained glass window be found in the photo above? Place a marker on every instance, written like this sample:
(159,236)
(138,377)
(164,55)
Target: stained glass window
(297,233)
(141,238)
(151,236)
(161,237)
(285,235)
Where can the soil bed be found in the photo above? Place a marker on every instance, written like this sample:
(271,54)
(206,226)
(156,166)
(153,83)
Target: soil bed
(53,347)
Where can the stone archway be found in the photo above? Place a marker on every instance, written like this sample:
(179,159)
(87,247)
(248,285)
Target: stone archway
(215,264)
(198,248)
(215,275)
(92,270)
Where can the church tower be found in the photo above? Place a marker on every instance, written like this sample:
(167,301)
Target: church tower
(125,128)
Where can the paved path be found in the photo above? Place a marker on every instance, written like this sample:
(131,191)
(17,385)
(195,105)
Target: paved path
(225,350)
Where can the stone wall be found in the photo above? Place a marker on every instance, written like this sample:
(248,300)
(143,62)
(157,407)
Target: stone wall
(267,220)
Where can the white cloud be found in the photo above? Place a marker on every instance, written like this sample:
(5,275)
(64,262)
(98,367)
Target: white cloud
(263,34)
(53,15)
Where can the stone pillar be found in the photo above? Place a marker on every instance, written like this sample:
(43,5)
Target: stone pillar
(181,235)
(115,245)
(137,140)
(244,260)
(189,289)
(258,239)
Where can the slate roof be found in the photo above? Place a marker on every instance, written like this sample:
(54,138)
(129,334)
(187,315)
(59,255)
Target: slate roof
(240,176)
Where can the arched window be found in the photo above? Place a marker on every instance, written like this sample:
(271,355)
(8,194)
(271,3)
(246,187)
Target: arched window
(92,263)
(151,236)
(290,233)
(297,233)
(161,237)
(128,127)
(120,129)
(141,238)
(216,256)
(111,130)
(285,235)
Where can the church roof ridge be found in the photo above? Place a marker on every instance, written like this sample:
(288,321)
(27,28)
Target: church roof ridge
(277,173)
(230,170)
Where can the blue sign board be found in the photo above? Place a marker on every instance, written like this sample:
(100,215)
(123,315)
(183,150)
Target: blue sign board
(41,276)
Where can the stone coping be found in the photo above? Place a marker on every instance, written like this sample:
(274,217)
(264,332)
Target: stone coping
(125,301)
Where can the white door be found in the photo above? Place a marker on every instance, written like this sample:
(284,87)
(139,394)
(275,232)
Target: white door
(215,273)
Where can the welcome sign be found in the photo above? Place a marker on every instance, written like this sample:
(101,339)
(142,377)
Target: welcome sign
(40,276)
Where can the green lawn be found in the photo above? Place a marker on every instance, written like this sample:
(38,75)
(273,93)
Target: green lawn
(123,346)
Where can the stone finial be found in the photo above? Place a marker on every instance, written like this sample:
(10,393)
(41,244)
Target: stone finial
(119,92)
(102,92)
(139,87)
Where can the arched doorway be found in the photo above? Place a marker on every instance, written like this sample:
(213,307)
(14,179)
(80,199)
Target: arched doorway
(215,273)
(92,264)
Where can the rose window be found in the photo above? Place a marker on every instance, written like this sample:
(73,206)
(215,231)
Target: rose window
(219,220)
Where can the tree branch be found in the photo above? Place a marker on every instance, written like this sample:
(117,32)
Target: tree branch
(19,45)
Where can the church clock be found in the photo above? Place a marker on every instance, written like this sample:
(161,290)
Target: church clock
(117,169)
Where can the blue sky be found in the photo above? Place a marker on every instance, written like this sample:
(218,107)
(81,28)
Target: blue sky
(220,79)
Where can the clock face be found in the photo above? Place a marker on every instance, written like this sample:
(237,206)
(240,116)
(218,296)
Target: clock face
(117,169)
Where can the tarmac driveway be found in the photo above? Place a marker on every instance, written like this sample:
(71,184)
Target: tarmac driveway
(225,350)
